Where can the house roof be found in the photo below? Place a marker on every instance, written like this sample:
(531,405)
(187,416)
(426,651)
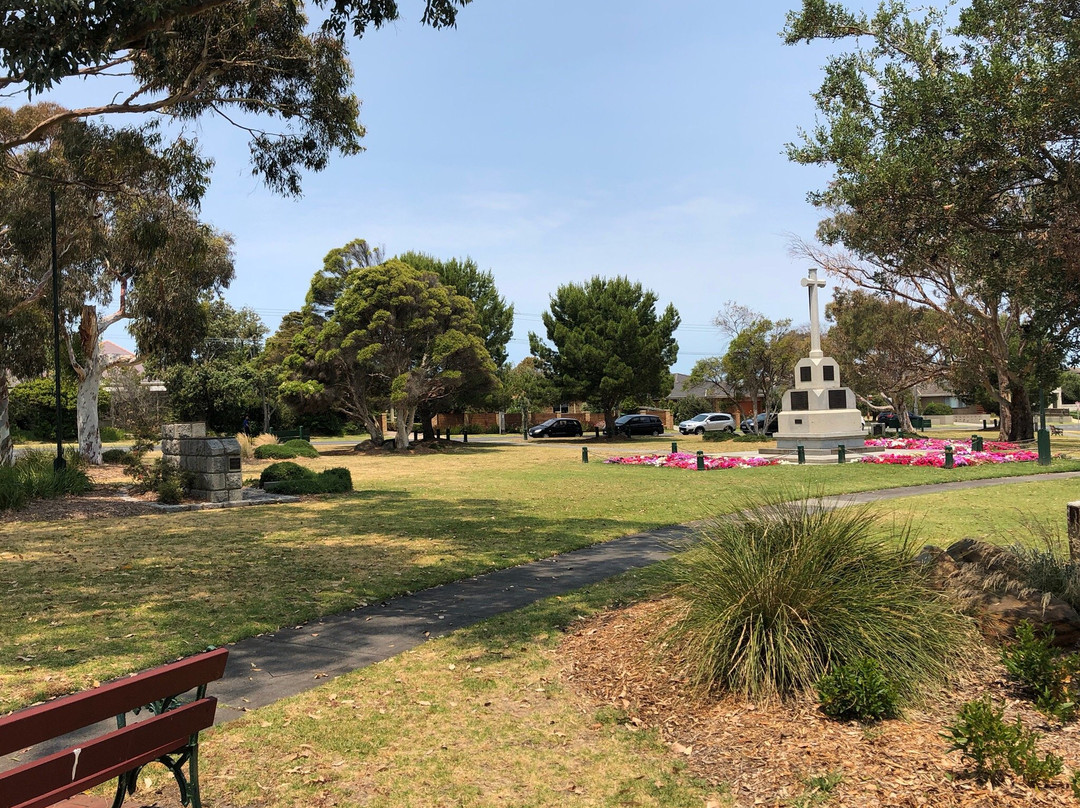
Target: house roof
(682,389)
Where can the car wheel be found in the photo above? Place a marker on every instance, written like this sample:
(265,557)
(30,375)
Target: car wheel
(730,429)
(699,431)
(657,433)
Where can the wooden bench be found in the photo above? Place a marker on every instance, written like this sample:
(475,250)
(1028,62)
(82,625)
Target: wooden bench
(1056,430)
(170,735)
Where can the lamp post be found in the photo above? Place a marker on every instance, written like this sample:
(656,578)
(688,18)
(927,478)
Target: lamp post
(59,463)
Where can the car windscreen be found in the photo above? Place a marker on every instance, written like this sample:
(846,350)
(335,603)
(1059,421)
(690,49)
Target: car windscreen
(548,422)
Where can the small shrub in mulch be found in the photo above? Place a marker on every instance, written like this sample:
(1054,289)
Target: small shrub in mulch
(116,456)
(275,451)
(331,481)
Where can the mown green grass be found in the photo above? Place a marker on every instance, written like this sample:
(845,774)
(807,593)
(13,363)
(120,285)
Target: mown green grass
(91,599)
(476,718)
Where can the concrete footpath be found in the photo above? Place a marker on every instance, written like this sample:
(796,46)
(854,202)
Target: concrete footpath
(277,665)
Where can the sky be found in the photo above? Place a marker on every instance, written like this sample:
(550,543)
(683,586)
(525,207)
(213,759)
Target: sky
(552,141)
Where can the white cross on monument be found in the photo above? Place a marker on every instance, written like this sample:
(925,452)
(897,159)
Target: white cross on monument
(813,285)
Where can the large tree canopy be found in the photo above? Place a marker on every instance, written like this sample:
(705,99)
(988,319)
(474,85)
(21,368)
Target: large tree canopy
(126,234)
(251,62)
(395,337)
(608,343)
(885,347)
(957,175)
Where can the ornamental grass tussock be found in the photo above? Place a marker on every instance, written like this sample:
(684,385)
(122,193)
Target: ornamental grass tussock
(775,597)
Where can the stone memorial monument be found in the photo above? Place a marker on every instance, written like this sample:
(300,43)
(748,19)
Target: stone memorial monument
(214,463)
(818,414)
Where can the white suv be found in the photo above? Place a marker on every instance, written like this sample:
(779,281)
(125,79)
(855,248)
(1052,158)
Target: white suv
(708,422)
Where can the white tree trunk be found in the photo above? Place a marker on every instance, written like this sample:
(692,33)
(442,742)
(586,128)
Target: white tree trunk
(86,413)
(404,421)
(7,445)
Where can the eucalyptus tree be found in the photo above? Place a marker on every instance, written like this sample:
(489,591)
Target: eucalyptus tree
(256,64)
(954,138)
(886,347)
(127,234)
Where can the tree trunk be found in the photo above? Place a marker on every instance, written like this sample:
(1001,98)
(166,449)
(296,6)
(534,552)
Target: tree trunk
(1019,422)
(86,414)
(7,445)
(424,415)
(401,438)
(609,422)
(373,427)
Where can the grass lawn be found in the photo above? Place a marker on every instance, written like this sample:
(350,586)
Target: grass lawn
(481,717)
(90,599)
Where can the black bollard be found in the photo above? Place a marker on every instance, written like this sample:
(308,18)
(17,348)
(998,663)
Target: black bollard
(841,454)
(802,454)
(700,460)
(674,447)
(584,454)
(465,436)
(948,457)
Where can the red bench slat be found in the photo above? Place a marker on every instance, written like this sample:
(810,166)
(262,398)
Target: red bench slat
(43,782)
(69,713)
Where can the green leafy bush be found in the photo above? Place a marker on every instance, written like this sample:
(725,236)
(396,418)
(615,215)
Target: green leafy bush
(774,596)
(117,456)
(302,447)
(1051,678)
(275,451)
(1074,783)
(718,435)
(982,735)
(935,408)
(276,472)
(331,481)
(170,491)
(859,690)
(110,434)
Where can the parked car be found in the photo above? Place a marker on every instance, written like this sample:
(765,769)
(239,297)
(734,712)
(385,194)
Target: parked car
(708,422)
(639,425)
(557,428)
(754,425)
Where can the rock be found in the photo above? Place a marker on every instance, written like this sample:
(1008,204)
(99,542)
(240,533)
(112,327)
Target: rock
(941,568)
(1001,614)
(988,556)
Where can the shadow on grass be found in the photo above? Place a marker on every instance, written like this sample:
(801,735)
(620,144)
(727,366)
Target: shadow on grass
(114,597)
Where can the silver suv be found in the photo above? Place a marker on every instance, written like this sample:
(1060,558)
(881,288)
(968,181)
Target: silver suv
(708,422)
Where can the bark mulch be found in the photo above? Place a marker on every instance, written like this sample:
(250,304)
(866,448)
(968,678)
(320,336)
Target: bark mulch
(111,497)
(765,754)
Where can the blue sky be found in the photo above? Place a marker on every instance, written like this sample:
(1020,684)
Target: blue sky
(552,141)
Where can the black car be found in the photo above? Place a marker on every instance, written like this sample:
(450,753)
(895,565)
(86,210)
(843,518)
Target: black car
(754,425)
(639,425)
(557,428)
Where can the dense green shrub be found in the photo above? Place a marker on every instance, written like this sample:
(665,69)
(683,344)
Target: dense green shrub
(275,451)
(982,735)
(116,456)
(858,691)
(718,435)
(1052,679)
(331,481)
(935,408)
(110,434)
(687,408)
(276,472)
(302,447)
(776,595)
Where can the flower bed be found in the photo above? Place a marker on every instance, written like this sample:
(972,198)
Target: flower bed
(685,460)
(934,449)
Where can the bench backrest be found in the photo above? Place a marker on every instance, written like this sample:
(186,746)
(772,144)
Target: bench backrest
(62,774)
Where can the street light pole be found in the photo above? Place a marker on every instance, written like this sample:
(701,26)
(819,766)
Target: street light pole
(59,463)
